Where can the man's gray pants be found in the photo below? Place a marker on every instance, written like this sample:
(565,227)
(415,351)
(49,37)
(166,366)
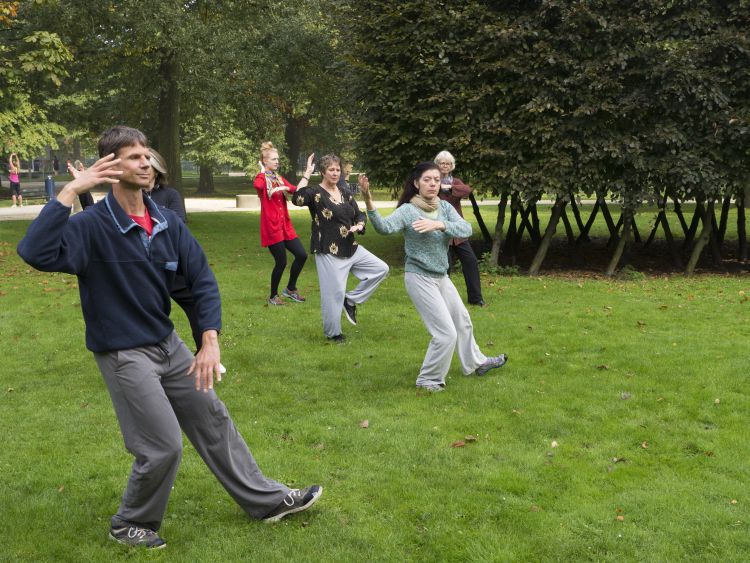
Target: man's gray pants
(153,398)
(333,272)
(448,322)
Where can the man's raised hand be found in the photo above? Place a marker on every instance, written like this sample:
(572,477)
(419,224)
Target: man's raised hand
(101,172)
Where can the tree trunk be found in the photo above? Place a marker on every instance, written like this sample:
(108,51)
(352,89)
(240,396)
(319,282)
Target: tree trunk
(541,252)
(693,228)
(206,180)
(510,239)
(568,228)
(627,222)
(169,118)
(497,241)
(482,227)
(741,230)
(704,237)
(724,219)
(576,212)
(294,135)
(584,236)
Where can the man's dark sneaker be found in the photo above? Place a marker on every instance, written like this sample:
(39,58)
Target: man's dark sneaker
(350,309)
(338,339)
(296,501)
(130,534)
(492,363)
(481,304)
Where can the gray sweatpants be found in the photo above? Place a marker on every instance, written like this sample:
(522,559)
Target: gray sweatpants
(448,322)
(332,275)
(153,398)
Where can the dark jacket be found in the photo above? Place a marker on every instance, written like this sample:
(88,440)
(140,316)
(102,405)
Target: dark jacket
(169,198)
(331,221)
(124,278)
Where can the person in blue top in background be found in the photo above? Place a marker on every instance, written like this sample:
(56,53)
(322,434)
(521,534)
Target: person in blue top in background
(429,224)
(125,252)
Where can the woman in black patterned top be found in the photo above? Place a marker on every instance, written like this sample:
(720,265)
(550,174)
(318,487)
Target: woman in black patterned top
(336,219)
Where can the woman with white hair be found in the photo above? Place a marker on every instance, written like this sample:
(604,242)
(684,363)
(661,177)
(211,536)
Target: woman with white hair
(452,190)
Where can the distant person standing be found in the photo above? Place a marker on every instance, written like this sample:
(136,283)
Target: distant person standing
(343,183)
(276,230)
(14,169)
(55,165)
(453,190)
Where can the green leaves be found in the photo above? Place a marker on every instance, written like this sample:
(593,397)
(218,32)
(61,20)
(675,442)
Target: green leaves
(556,97)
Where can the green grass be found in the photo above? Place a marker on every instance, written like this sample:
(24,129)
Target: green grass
(601,367)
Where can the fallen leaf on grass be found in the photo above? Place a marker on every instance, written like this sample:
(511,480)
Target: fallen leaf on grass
(458,444)
(644,445)
(717,401)
(708,453)
(553,444)
(534,508)
(470,438)
(625,395)
(61,488)
(364,424)
(602,367)
(733,501)
(620,518)
(319,446)
(619,460)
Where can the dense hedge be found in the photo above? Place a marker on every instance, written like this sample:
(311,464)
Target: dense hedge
(557,96)
(554,98)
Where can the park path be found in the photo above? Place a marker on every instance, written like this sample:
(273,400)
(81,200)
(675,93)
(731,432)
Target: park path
(192,205)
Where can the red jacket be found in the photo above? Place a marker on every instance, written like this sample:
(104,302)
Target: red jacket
(458,191)
(275,224)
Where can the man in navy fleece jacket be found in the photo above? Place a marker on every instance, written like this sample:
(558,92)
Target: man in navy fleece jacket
(126,251)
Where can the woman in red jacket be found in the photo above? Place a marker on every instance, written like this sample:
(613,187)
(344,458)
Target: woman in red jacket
(276,229)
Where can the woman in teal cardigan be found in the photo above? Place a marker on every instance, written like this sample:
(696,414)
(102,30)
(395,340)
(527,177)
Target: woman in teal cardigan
(429,224)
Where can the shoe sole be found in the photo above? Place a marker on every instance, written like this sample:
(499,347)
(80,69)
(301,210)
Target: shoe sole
(348,318)
(312,501)
(122,542)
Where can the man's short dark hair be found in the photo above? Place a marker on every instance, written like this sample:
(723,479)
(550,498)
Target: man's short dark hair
(115,138)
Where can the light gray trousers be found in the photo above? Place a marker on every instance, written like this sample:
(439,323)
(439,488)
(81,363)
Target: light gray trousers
(448,322)
(153,398)
(332,275)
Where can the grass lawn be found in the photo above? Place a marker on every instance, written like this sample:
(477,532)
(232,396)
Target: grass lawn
(617,431)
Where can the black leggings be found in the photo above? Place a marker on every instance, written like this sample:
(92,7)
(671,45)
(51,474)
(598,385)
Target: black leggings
(278,251)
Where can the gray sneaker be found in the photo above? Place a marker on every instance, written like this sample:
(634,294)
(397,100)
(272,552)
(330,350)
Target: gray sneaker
(133,535)
(492,363)
(431,387)
(296,501)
